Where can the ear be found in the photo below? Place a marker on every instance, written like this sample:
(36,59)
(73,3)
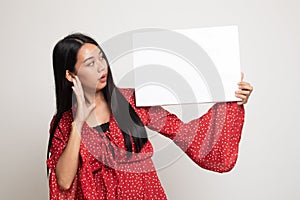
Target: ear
(70,76)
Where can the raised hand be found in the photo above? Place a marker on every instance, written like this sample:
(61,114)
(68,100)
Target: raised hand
(83,111)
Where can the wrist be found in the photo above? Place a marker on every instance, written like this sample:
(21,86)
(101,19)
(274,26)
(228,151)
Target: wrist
(76,128)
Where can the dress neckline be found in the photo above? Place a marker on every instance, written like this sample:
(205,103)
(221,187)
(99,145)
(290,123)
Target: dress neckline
(103,124)
(102,127)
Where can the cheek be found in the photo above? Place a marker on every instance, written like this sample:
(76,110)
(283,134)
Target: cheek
(106,69)
(87,78)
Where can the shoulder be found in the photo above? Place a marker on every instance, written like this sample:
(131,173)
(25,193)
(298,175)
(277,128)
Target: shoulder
(141,111)
(66,118)
(129,94)
(64,124)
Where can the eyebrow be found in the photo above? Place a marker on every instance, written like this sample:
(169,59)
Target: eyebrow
(91,57)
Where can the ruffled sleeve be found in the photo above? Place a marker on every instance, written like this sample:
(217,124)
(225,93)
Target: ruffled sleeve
(58,144)
(97,155)
(211,140)
(83,185)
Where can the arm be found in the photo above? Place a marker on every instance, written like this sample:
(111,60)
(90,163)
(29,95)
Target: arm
(211,140)
(67,163)
(69,168)
(64,150)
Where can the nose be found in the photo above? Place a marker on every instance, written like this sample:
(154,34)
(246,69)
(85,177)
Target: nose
(101,67)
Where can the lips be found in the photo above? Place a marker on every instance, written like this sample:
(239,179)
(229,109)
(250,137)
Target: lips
(103,78)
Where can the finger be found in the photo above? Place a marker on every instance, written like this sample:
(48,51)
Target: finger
(248,88)
(244,92)
(241,96)
(76,94)
(80,90)
(239,102)
(74,80)
(242,102)
(245,87)
(76,88)
(243,83)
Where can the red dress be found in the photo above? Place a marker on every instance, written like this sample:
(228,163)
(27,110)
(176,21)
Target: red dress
(211,141)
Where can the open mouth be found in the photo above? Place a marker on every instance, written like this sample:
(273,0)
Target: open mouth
(103,78)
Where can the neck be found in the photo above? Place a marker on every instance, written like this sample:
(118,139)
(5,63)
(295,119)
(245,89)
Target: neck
(101,112)
(97,98)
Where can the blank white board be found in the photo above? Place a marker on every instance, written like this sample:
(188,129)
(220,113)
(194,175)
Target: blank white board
(199,65)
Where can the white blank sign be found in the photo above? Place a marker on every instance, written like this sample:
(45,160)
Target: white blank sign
(200,65)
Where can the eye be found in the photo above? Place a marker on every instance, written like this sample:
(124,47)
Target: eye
(91,63)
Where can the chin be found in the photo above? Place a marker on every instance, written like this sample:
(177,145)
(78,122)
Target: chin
(101,86)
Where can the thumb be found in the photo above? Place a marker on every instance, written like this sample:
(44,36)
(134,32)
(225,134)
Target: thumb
(242,76)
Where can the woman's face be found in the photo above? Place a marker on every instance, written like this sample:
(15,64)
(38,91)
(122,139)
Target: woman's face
(91,68)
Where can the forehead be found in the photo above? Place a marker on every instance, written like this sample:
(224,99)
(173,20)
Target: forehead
(87,50)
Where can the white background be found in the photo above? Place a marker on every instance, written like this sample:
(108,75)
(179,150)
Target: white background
(268,164)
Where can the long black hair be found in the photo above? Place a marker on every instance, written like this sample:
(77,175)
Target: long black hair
(64,58)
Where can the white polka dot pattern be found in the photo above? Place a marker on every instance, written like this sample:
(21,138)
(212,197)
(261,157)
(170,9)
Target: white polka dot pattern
(211,141)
